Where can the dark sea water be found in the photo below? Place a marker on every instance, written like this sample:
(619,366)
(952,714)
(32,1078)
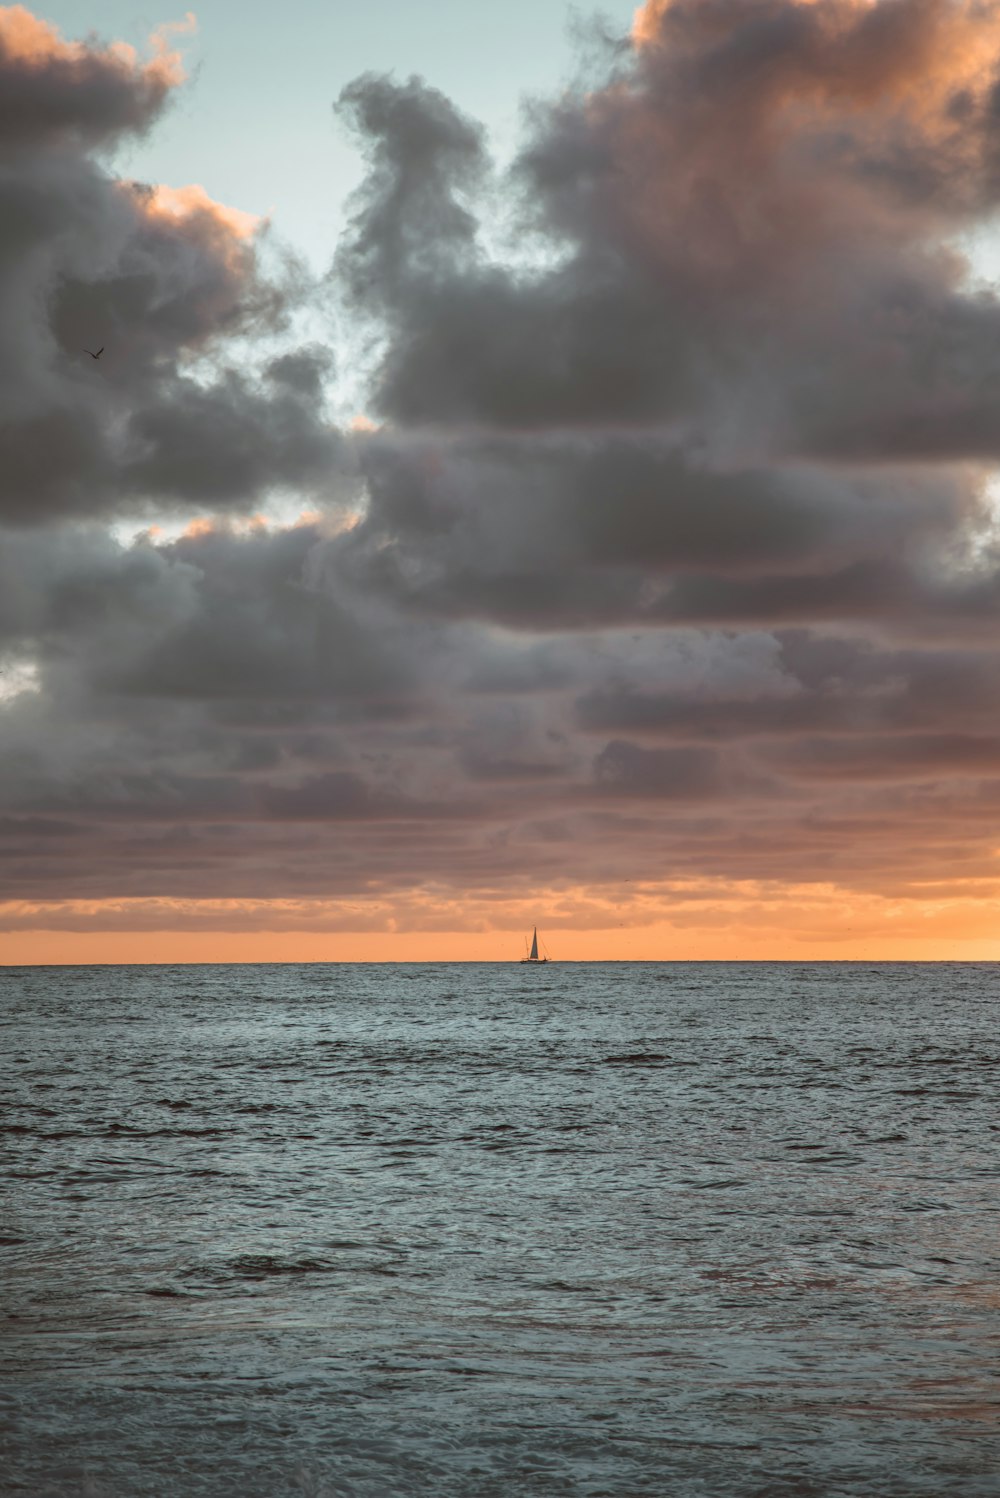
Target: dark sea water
(671,1229)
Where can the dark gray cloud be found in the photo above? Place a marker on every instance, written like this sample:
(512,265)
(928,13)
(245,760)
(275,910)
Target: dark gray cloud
(558,531)
(52,90)
(206,719)
(686,774)
(408,222)
(671,551)
(163,280)
(745,230)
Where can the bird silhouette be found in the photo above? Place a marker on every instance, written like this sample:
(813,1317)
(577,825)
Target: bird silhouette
(100,351)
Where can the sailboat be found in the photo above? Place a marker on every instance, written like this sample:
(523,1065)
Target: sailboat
(533,954)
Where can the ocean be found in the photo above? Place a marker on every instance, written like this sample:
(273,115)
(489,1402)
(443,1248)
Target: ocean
(690,1230)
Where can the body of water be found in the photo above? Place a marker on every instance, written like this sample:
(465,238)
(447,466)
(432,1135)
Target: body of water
(471,1231)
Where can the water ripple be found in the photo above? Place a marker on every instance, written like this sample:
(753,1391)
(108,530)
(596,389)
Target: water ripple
(694,1230)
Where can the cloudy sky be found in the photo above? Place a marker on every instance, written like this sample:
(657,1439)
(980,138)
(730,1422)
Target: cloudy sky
(539,470)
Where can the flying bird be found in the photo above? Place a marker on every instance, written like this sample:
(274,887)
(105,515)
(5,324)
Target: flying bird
(100,351)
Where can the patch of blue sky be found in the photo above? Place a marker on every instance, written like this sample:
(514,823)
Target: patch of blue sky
(254,125)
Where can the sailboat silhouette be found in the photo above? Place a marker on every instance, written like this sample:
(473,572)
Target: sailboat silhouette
(533,954)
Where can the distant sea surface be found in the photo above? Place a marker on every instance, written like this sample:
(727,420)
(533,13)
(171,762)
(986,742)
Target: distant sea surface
(684,1230)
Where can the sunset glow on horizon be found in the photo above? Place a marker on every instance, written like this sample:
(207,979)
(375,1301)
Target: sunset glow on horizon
(772,925)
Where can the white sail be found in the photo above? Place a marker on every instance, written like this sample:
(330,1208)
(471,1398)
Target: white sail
(533,954)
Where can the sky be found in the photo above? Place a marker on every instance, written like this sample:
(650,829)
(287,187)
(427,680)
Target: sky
(541,468)
(255,124)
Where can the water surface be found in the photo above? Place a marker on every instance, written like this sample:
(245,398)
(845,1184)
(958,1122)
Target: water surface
(623,1229)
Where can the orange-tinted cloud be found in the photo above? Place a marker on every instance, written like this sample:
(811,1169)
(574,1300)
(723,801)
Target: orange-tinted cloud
(769,132)
(178,204)
(28,40)
(149,274)
(53,85)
